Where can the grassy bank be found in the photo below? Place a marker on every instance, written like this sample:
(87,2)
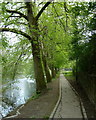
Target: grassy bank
(69,76)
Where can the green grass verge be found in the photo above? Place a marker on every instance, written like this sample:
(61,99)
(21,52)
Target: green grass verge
(69,75)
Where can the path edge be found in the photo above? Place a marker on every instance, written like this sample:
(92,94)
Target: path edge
(83,111)
(57,103)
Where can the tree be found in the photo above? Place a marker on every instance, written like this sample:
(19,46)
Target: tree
(84,46)
(32,35)
(56,39)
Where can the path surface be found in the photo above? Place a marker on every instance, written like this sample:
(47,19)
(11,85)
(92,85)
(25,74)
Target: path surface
(69,106)
(40,107)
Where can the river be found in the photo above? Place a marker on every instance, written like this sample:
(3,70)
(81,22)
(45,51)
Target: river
(16,94)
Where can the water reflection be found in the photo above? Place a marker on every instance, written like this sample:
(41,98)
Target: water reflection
(16,94)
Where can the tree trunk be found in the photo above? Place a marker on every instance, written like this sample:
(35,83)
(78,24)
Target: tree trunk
(53,72)
(76,72)
(56,70)
(48,76)
(38,69)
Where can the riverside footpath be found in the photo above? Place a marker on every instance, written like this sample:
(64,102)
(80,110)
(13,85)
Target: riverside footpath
(69,104)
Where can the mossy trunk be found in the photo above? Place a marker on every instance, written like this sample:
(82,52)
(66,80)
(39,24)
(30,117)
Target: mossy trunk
(38,69)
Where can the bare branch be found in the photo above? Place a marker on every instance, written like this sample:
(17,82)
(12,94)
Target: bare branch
(40,3)
(15,31)
(43,8)
(17,12)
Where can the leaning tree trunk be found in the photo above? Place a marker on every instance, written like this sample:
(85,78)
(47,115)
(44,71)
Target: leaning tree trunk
(38,69)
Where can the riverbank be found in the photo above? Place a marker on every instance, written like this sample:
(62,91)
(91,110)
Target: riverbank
(41,106)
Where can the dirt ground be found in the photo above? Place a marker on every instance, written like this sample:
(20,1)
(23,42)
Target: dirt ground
(42,106)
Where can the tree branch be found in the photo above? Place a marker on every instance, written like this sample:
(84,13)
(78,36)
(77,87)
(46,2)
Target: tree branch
(16,16)
(29,10)
(17,12)
(21,7)
(15,31)
(43,8)
(20,23)
(62,24)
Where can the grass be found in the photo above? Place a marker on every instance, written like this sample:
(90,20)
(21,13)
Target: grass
(69,75)
(57,76)
(35,96)
(46,117)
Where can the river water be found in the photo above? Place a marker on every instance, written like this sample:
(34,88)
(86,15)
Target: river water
(16,94)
